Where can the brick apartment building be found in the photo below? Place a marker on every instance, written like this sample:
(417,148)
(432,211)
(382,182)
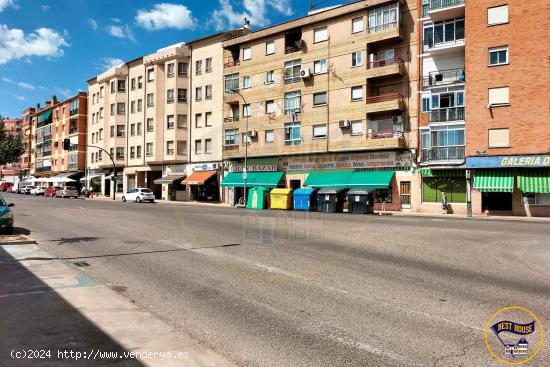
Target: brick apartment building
(507,133)
(13,170)
(26,128)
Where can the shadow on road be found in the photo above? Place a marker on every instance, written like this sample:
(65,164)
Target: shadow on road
(72,240)
(20,230)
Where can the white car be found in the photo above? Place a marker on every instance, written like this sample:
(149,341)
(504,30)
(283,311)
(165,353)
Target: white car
(138,195)
(37,191)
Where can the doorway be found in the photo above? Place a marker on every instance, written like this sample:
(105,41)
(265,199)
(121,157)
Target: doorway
(405,190)
(295,184)
(497,201)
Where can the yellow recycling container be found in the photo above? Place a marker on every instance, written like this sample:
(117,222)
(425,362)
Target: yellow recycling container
(281,199)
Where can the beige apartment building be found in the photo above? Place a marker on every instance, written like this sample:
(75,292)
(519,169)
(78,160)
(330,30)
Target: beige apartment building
(138,113)
(332,92)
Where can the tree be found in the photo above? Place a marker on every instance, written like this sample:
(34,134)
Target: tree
(11,146)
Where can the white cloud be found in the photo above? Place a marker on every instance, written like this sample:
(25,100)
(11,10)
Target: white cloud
(5,3)
(15,44)
(165,16)
(92,23)
(64,92)
(256,11)
(25,85)
(45,7)
(115,20)
(121,31)
(21,98)
(109,62)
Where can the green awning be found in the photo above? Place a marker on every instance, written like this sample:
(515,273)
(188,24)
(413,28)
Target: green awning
(329,180)
(534,180)
(45,116)
(254,179)
(494,180)
(425,172)
(370,180)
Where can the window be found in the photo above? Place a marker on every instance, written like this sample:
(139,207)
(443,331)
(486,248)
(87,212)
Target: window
(269,136)
(208,119)
(113,85)
(170,96)
(112,109)
(425,104)
(293,102)
(383,17)
(246,110)
(198,146)
(231,137)
(182,68)
(170,147)
(182,121)
(293,133)
(442,33)
(120,153)
(499,96)
(231,83)
(149,149)
(498,55)
(138,128)
(270,107)
(357,25)
(182,95)
(453,187)
(181,147)
(320,34)
(198,94)
(138,151)
(319,131)
(247,53)
(208,67)
(499,138)
(356,93)
(139,105)
(101,92)
(150,100)
(132,84)
(497,15)
(101,112)
(208,91)
(270,47)
(320,66)
(170,122)
(133,107)
(120,131)
(535,199)
(150,75)
(246,82)
(100,134)
(170,70)
(140,82)
(132,129)
(292,71)
(121,85)
(112,134)
(357,127)
(120,108)
(320,99)
(132,152)
(357,59)
(245,139)
(198,120)
(198,67)
(207,146)
(270,77)
(150,125)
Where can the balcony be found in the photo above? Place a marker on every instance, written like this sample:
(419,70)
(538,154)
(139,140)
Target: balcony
(231,63)
(384,32)
(453,43)
(383,68)
(293,48)
(446,115)
(43,169)
(73,130)
(384,103)
(444,77)
(444,9)
(438,154)
(231,119)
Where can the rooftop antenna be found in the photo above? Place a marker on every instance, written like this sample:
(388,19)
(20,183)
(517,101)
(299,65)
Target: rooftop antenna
(313,4)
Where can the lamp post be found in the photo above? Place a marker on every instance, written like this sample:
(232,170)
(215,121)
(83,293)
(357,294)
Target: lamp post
(245,168)
(114,166)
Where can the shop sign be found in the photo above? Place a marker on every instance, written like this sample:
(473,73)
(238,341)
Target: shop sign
(255,168)
(203,167)
(347,161)
(511,161)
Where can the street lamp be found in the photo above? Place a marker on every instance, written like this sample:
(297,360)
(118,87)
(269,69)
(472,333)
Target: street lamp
(245,168)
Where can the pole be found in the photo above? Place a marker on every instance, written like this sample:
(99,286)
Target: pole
(112,161)
(469,193)
(245,168)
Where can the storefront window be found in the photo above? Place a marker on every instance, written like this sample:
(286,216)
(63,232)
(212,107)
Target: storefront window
(453,187)
(383,195)
(529,198)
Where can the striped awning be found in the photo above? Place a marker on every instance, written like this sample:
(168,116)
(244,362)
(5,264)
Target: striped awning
(534,180)
(494,180)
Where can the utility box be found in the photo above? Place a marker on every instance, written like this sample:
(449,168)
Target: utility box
(330,200)
(305,199)
(281,199)
(360,202)
(258,198)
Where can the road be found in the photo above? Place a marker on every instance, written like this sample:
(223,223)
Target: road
(276,288)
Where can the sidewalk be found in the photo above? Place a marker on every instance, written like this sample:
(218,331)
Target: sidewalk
(50,306)
(119,196)
(455,216)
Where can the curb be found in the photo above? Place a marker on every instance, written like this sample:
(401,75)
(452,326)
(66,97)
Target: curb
(14,240)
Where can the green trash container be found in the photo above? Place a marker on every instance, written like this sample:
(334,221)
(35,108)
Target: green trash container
(258,198)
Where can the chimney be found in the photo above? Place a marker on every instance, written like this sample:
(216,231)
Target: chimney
(246,24)
(38,106)
(48,104)
(54,100)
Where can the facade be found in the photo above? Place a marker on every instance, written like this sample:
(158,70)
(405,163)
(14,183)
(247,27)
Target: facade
(57,121)
(333,91)
(26,159)
(507,134)
(11,171)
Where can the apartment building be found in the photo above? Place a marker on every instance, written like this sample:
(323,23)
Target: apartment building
(139,116)
(442,107)
(26,160)
(507,134)
(325,101)
(12,170)
(50,125)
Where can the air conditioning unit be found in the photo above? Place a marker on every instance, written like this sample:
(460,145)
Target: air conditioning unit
(344,124)
(305,73)
(253,134)
(397,120)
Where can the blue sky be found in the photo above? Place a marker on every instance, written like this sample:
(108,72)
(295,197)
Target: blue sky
(52,47)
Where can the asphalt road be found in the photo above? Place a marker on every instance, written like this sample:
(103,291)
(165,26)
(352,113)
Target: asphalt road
(277,288)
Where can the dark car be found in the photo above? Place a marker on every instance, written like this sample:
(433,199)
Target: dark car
(6,217)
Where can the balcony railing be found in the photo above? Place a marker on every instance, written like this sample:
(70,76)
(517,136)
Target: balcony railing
(384,134)
(383,98)
(73,131)
(383,27)
(43,169)
(447,114)
(443,154)
(456,39)
(444,77)
(231,119)
(438,4)
(291,49)
(386,62)
(231,63)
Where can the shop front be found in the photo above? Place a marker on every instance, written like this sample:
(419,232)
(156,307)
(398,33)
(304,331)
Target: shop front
(436,184)
(234,182)
(511,185)
(203,182)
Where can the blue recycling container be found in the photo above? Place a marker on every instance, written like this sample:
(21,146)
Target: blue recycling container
(305,199)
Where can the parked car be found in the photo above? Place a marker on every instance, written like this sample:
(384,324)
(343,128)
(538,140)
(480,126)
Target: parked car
(138,195)
(50,191)
(27,189)
(66,192)
(6,186)
(38,191)
(6,216)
